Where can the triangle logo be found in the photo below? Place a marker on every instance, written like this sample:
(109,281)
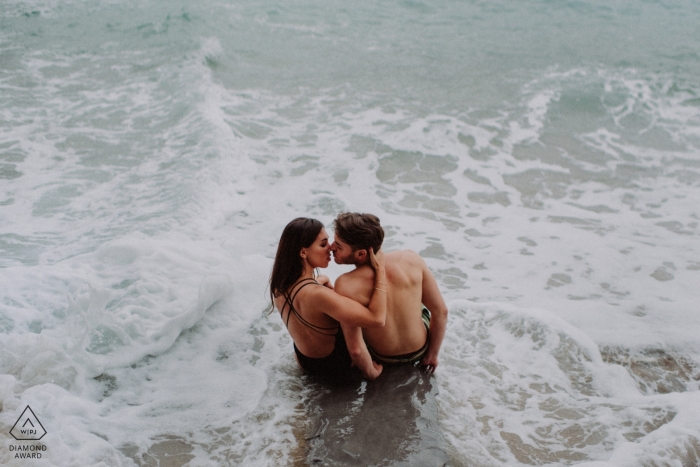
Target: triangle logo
(28,427)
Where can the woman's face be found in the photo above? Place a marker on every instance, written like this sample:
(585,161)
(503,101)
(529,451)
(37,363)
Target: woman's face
(318,255)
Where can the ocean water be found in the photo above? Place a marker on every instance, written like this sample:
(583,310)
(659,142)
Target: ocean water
(543,156)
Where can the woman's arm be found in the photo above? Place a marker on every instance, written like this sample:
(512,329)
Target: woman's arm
(378,303)
(325,281)
(348,311)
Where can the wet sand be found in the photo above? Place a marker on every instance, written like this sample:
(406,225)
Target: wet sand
(395,422)
(392,421)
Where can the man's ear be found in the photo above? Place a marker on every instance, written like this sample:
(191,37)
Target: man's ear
(361,256)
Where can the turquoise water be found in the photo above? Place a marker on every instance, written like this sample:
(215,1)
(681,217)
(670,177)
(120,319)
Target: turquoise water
(541,155)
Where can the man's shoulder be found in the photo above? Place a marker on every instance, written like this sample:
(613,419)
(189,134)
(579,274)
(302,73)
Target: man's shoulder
(404,257)
(350,282)
(356,274)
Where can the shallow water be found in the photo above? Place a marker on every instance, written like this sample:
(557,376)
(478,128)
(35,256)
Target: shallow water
(541,155)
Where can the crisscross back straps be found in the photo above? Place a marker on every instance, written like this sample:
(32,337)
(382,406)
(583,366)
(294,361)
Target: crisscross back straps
(289,301)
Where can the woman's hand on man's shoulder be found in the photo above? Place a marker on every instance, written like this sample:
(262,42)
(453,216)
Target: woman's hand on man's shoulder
(325,281)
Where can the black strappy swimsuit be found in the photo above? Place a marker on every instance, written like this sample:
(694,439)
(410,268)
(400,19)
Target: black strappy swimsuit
(334,366)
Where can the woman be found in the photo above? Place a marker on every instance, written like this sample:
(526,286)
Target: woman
(312,312)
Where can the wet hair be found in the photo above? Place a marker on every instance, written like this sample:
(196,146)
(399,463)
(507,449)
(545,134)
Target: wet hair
(359,231)
(288,267)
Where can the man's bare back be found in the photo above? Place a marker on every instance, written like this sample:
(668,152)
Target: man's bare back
(410,285)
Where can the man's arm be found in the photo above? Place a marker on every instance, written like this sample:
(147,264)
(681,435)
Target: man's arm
(432,298)
(346,286)
(359,353)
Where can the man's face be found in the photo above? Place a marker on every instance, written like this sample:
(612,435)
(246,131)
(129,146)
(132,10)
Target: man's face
(342,252)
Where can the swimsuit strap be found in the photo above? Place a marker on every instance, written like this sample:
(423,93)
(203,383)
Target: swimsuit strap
(289,300)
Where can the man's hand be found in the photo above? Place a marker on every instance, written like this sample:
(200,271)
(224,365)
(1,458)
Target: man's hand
(372,373)
(432,299)
(429,363)
(359,353)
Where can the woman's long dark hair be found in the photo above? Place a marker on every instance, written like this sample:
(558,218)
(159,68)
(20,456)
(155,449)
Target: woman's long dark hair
(288,268)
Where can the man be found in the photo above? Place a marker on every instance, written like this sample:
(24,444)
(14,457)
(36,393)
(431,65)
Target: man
(411,333)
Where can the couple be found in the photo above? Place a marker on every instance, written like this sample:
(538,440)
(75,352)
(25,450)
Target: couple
(375,314)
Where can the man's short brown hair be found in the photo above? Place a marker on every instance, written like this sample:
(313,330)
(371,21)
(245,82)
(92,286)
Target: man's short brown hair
(359,231)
